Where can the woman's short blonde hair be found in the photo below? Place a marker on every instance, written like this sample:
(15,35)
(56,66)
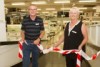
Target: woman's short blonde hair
(32,5)
(75,9)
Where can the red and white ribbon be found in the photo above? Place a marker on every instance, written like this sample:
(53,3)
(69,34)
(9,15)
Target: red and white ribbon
(93,57)
(20,45)
(20,54)
(78,64)
(79,53)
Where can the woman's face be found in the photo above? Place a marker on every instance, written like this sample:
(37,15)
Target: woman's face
(73,14)
(32,10)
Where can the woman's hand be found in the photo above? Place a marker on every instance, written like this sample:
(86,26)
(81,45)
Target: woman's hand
(80,47)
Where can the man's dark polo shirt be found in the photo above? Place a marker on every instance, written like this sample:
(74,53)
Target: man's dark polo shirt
(32,28)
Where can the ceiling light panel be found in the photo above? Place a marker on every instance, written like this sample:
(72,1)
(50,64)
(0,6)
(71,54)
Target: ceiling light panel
(18,3)
(50,9)
(82,8)
(39,2)
(65,8)
(38,9)
(62,1)
(87,0)
(45,12)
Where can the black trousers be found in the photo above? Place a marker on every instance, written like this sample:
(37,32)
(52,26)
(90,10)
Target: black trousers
(71,60)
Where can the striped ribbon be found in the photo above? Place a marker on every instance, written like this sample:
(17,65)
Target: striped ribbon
(20,54)
(78,64)
(20,45)
(79,53)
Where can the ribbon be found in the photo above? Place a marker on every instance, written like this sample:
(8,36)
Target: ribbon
(20,54)
(45,51)
(20,45)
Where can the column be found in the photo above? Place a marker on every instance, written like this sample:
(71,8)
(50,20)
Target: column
(2,22)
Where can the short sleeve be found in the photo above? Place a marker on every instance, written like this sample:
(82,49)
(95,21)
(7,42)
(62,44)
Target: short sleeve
(42,25)
(22,26)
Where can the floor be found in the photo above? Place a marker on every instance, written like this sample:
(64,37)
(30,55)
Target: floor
(54,59)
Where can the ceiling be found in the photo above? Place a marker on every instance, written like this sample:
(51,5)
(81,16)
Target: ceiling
(51,4)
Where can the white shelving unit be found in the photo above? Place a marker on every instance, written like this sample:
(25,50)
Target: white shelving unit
(13,32)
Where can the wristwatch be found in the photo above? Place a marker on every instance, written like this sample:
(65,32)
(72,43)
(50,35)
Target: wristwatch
(39,38)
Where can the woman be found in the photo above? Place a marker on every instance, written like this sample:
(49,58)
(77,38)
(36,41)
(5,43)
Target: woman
(75,36)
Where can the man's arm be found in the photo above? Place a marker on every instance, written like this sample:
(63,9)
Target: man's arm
(37,41)
(22,35)
(41,34)
(85,35)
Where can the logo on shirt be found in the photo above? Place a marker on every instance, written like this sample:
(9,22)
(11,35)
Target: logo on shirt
(37,24)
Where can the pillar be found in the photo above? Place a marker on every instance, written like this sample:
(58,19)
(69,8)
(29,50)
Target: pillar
(2,22)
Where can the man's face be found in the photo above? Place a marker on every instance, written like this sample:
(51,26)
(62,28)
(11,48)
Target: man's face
(32,10)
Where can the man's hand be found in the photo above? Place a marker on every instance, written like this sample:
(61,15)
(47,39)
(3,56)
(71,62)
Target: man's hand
(37,41)
(22,40)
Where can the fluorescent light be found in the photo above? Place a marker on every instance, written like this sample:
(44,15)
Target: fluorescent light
(14,14)
(38,9)
(50,8)
(23,10)
(65,8)
(45,12)
(81,11)
(82,8)
(97,7)
(18,3)
(61,1)
(70,8)
(94,8)
(54,12)
(38,2)
(87,1)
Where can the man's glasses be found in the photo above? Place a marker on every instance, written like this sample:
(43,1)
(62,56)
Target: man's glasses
(32,9)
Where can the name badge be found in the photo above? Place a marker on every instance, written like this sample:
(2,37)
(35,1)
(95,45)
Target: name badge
(74,32)
(37,24)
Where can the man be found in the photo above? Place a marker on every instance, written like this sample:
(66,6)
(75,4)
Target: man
(32,31)
(75,36)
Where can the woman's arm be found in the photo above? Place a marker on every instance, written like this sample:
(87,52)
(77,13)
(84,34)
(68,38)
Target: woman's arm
(85,35)
(61,39)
